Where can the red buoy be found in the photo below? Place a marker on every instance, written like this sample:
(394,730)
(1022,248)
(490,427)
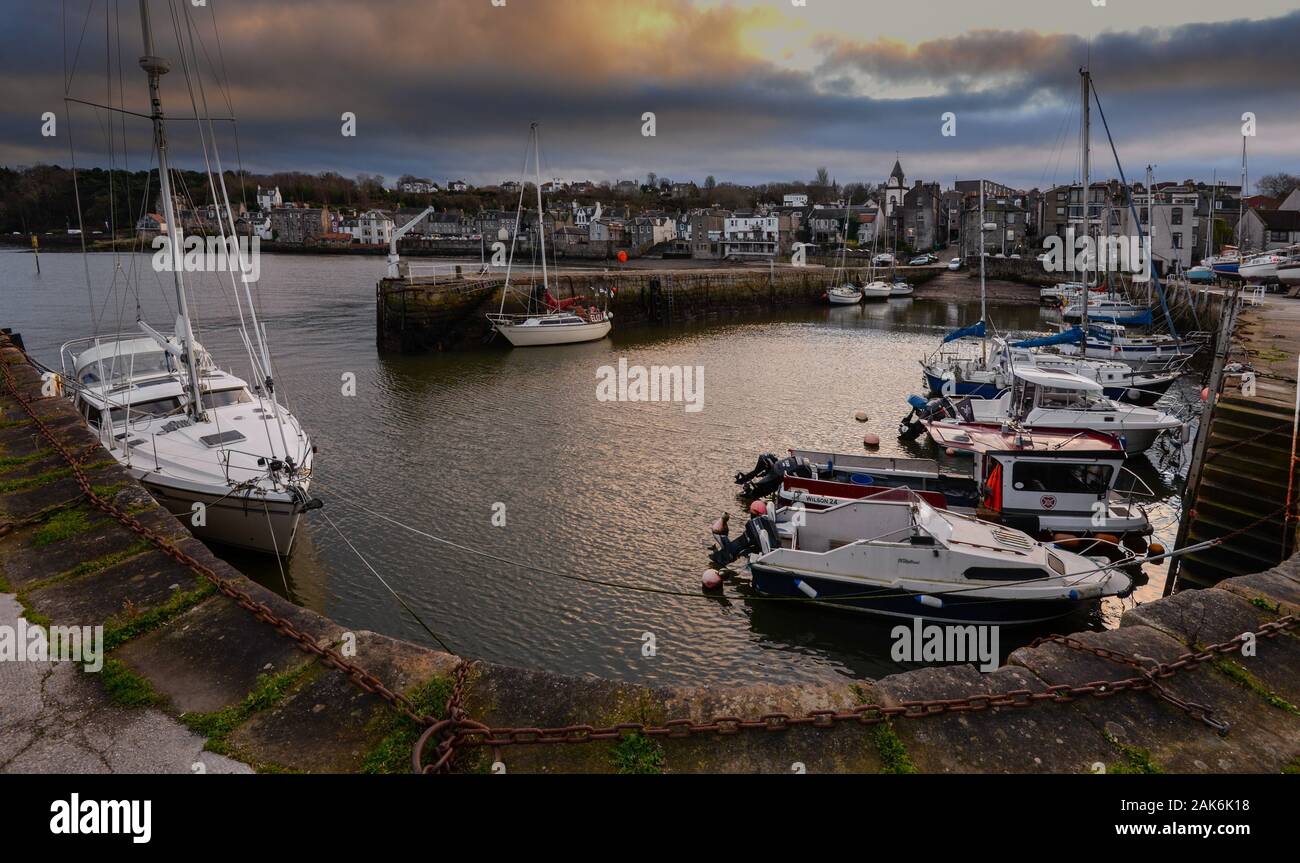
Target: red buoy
(711,580)
(758,508)
(871,441)
(622,257)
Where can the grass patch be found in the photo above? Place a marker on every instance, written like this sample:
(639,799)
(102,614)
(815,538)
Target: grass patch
(267,692)
(125,687)
(1135,759)
(121,628)
(9,462)
(104,561)
(1246,680)
(1292,768)
(1262,603)
(637,754)
(60,526)
(893,752)
(392,754)
(27,483)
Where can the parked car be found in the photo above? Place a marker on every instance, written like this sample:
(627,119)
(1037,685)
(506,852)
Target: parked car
(919,261)
(883,259)
(954,264)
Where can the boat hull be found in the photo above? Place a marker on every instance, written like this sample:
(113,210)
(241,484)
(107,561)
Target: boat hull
(843,299)
(268,525)
(539,336)
(888,601)
(1144,396)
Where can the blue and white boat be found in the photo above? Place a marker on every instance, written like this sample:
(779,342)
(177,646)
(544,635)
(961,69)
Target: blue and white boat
(1112,341)
(908,559)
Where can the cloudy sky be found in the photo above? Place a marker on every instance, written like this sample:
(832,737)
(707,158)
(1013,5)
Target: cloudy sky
(745,90)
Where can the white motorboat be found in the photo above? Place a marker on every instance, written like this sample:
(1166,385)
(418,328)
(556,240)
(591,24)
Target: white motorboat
(908,558)
(228,459)
(1062,294)
(1044,398)
(548,321)
(1044,482)
(239,454)
(900,289)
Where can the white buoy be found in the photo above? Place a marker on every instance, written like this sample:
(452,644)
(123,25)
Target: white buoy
(861,416)
(930,601)
(712,579)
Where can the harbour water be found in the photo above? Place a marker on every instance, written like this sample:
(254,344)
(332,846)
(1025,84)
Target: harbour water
(614,492)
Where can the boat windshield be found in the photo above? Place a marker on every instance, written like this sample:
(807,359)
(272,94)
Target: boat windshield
(1062,478)
(124,366)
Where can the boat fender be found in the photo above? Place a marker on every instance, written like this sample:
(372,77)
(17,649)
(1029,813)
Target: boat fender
(1133,394)
(1073,594)
(1156,549)
(929,601)
(711,580)
(861,416)
(805,588)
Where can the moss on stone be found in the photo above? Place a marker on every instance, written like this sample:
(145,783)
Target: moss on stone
(1246,680)
(126,625)
(9,462)
(1135,759)
(893,752)
(60,526)
(27,483)
(637,754)
(267,692)
(398,733)
(125,687)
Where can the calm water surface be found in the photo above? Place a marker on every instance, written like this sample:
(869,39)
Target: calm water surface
(614,491)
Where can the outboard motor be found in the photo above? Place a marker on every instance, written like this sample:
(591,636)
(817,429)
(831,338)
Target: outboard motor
(758,536)
(766,476)
(910,427)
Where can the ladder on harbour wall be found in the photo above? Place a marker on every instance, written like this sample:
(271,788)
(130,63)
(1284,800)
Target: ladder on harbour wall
(1240,480)
(661,302)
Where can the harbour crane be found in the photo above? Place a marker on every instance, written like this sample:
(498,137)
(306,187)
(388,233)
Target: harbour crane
(398,233)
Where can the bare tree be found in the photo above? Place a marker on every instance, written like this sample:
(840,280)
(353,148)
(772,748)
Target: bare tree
(1278,185)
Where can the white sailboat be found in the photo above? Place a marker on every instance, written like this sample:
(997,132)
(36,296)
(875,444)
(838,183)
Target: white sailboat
(843,294)
(228,459)
(564,322)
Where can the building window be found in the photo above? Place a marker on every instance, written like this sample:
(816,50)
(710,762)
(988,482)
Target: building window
(1177,216)
(1177,239)
(1144,214)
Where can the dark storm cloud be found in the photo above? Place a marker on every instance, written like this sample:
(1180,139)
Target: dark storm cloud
(447,88)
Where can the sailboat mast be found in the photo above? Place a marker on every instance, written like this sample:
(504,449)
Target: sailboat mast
(1209,236)
(541,214)
(155,67)
(1087,195)
(1241,207)
(984,311)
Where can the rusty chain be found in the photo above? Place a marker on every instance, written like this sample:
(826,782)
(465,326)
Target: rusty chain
(457,730)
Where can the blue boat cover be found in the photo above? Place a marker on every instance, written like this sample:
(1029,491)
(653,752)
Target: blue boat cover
(1073,334)
(1141,319)
(973,331)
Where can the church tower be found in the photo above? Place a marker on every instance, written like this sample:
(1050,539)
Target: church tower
(895,189)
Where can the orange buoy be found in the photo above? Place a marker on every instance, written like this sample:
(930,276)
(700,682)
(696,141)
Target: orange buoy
(758,508)
(860,416)
(711,580)
(871,441)
(1156,549)
(950,451)
(1108,537)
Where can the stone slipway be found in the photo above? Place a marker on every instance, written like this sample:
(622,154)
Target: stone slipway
(189,666)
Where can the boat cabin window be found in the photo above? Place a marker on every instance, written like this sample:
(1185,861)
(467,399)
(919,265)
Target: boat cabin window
(223,398)
(1061,478)
(1049,398)
(155,408)
(122,366)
